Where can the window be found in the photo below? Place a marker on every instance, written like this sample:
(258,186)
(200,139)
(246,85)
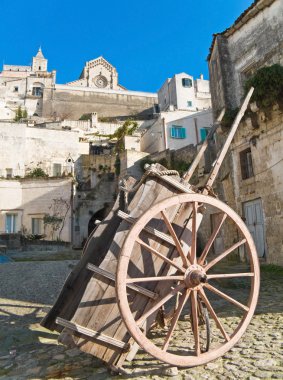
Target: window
(39,68)
(57,170)
(36,226)
(246,163)
(187,82)
(9,173)
(16,89)
(189,103)
(178,132)
(37,91)
(203,133)
(11,222)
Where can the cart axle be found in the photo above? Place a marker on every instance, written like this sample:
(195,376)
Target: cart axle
(194,276)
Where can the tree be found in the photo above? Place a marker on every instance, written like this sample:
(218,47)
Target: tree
(127,129)
(19,114)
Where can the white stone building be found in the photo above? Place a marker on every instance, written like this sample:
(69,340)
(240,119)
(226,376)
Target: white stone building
(175,130)
(35,90)
(183,92)
(24,148)
(23,86)
(25,204)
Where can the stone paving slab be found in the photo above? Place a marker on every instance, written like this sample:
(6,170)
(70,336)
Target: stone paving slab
(28,351)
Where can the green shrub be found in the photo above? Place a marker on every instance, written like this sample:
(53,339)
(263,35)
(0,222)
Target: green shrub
(268,85)
(37,173)
(85,116)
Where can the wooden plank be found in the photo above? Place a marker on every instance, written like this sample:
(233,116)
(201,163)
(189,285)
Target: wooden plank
(111,276)
(150,230)
(188,175)
(94,252)
(224,150)
(97,309)
(93,334)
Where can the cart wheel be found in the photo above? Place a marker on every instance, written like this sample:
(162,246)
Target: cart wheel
(228,291)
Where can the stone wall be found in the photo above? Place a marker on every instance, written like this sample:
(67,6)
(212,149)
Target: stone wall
(95,191)
(245,47)
(73,102)
(263,135)
(32,147)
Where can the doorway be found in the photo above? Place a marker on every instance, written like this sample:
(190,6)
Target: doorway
(254,221)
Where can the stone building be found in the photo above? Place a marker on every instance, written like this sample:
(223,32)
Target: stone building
(81,180)
(23,86)
(35,90)
(98,73)
(185,115)
(175,130)
(183,92)
(37,207)
(25,147)
(253,41)
(251,177)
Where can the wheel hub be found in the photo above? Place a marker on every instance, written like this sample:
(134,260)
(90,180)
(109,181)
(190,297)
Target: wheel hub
(195,276)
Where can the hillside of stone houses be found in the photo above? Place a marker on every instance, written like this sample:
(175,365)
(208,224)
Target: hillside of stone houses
(141,232)
(80,147)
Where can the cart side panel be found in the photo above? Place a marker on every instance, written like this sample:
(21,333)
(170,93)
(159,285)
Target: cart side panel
(98,309)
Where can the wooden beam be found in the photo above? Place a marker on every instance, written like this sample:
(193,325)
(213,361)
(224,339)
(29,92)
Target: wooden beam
(93,334)
(188,175)
(148,229)
(111,276)
(222,153)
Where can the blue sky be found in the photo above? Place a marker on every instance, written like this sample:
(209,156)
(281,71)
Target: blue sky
(147,40)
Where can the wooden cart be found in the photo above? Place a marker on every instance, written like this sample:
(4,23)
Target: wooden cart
(143,281)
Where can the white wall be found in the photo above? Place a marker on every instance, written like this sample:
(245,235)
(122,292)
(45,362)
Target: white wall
(174,95)
(193,125)
(158,137)
(23,147)
(30,198)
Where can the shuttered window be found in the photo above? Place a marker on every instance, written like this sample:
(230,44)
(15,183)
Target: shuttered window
(203,133)
(187,82)
(178,132)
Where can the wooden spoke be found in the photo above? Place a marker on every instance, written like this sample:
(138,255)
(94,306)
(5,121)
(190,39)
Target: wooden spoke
(229,275)
(195,320)
(213,314)
(175,238)
(155,252)
(224,254)
(211,239)
(175,318)
(226,297)
(159,303)
(194,235)
(157,278)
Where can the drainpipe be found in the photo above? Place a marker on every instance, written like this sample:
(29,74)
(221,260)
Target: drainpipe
(196,130)
(165,133)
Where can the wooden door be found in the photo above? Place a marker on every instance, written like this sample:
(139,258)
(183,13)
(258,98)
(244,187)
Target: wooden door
(254,221)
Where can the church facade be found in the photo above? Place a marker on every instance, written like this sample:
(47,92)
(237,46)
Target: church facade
(98,73)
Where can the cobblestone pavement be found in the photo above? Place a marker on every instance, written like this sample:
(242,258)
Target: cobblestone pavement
(28,351)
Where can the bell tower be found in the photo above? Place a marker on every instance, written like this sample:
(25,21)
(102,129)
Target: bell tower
(39,63)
